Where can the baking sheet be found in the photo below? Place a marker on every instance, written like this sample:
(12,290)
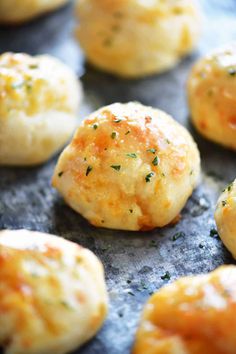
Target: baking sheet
(135,263)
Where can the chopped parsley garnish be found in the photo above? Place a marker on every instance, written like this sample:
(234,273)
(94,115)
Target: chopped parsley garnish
(130,293)
(65,304)
(224,203)
(89,169)
(117,120)
(168,141)
(214,233)
(129,281)
(132,155)
(148,177)
(155,162)
(116,167)
(95,126)
(201,245)
(153,243)
(113,135)
(230,186)
(17,85)
(153,151)
(131,211)
(60,173)
(144,285)
(33,66)
(178,235)
(128,131)
(166,276)
(232,71)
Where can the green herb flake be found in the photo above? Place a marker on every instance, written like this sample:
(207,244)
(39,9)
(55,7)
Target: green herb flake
(132,155)
(230,186)
(129,281)
(65,304)
(178,235)
(29,86)
(153,243)
(153,151)
(120,314)
(155,162)
(113,135)
(60,173)
(17,85)
(201,245)
(224,203)
(117,120)
(95,126)
(33,66)
(89,169)
(148,177)
(116,167)
(131,293)
(34,275)
(128,131)
(131,211)
(166,276)
(214,233)
(232,71)
(144,285)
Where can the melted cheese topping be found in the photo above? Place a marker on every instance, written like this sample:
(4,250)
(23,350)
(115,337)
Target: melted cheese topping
(191,316)
(128,167)
(52,293)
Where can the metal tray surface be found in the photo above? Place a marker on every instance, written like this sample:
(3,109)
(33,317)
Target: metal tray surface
(134,262)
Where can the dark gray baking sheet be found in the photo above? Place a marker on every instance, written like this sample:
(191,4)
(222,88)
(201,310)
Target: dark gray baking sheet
(134,262)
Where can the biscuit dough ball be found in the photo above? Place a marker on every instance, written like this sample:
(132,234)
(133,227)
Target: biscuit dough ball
(134,38)
(39,99)
(225,217)
(128,167)
(17,11)
(52,293)
(212,98)
(194,315)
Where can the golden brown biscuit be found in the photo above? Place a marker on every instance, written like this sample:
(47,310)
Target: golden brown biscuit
(194,315)
(128,167)
(134,38)
(39,100)
(17,11)
(52,293)
(212,98)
